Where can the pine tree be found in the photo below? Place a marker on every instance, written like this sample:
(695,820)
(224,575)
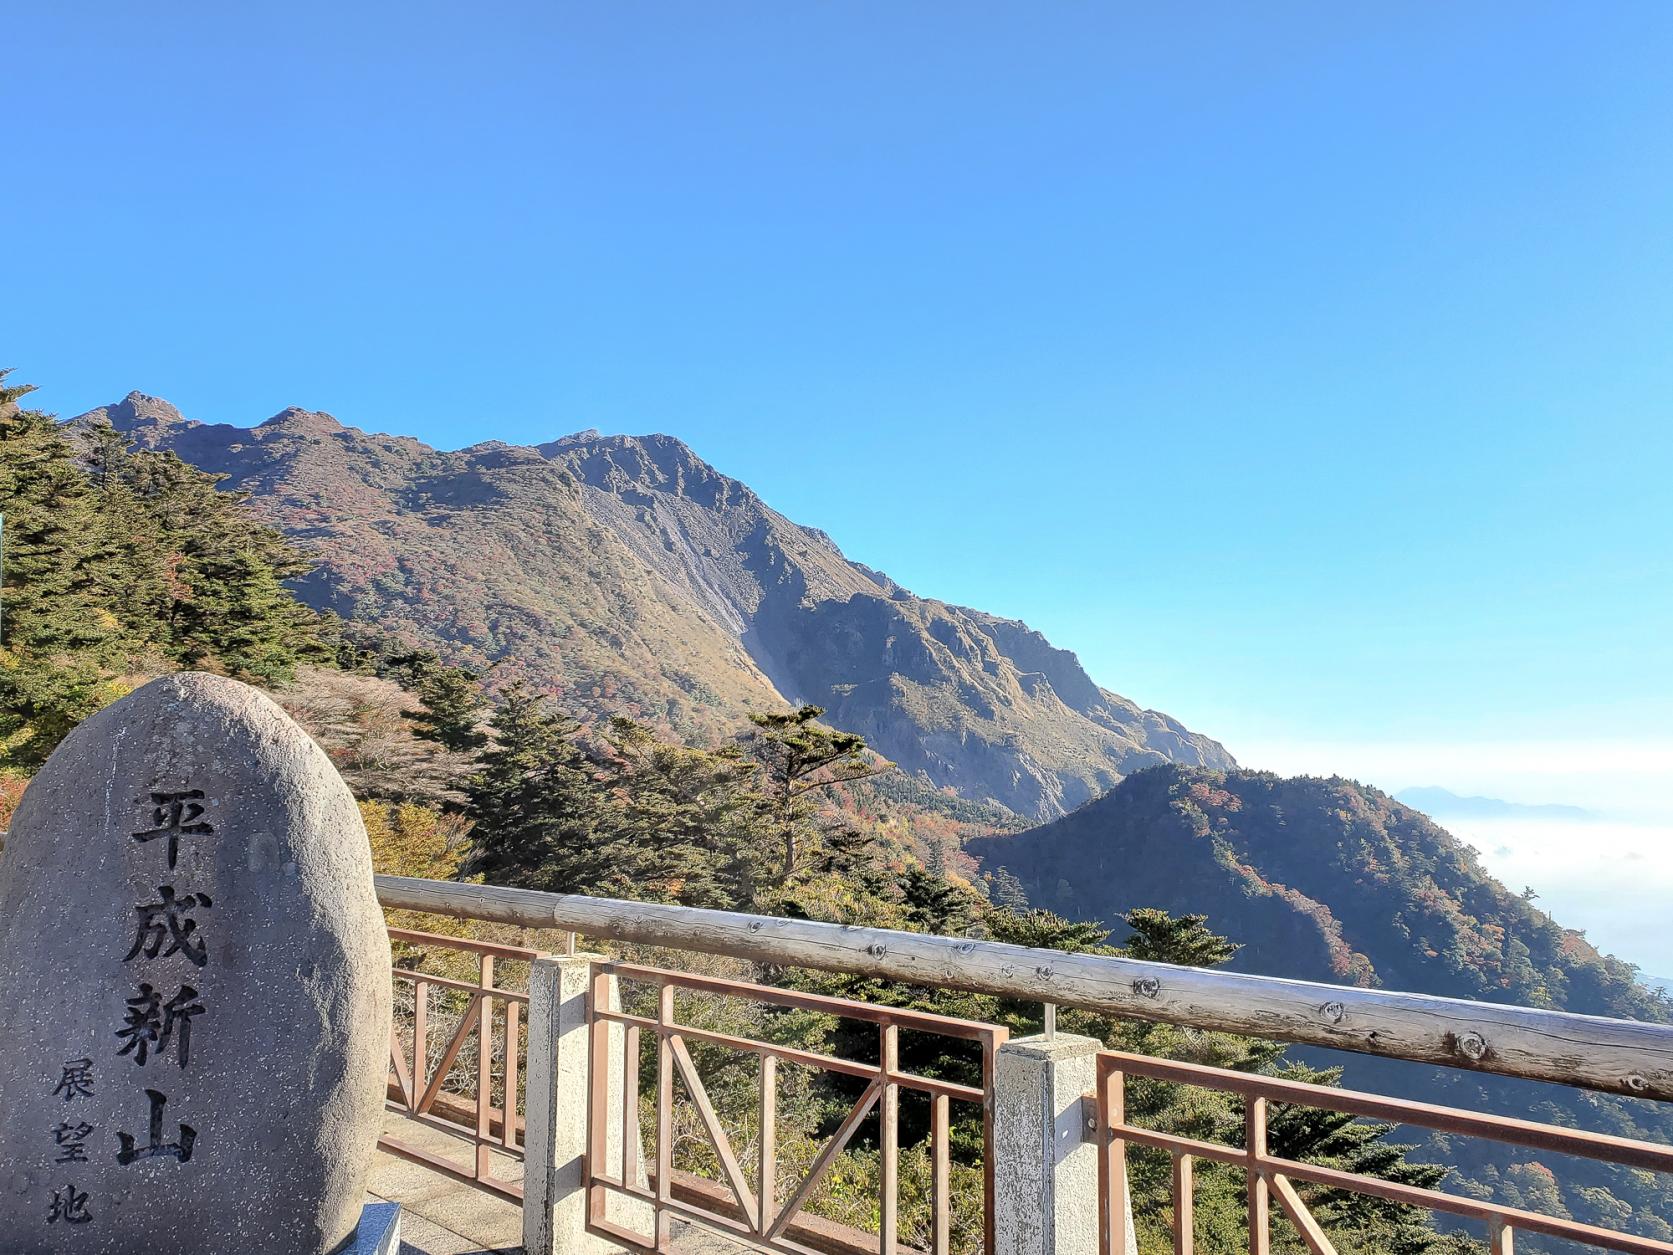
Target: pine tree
(226,603)
(691,819)
(55,557)
(117,562)
(1045,930)
(933,904)
(802,757)
(1008,891)
(1185,940)
(138,577)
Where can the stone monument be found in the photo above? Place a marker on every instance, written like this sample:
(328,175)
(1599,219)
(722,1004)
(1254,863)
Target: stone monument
(194,987)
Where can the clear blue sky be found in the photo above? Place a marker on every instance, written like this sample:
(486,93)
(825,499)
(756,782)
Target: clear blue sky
(1307,368)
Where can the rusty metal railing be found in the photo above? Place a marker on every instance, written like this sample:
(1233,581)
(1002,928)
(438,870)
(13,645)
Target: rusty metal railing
(418,1087)
(755,1215)
(1271,1177)
(1583,1052)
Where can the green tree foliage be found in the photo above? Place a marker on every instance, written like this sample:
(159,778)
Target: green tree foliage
(1008,891)
(630,813)
(1046,931)
(689,821)
(119,563)
(226,604)
(59,637)
(535,803)
(1184,940)
(803,758)
(451,700)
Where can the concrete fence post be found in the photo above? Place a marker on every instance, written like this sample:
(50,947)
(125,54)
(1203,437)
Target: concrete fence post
(1045,1170)
(555,1141)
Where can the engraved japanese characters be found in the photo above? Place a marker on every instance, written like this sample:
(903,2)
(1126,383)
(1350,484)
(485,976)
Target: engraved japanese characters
(194,987)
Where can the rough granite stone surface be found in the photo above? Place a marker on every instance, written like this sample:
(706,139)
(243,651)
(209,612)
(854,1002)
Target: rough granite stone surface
(194,987)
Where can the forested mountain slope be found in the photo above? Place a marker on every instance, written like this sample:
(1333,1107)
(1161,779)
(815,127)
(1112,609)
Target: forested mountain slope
(1318,878)
(631,577)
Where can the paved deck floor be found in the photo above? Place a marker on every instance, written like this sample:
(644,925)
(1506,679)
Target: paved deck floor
(441,1216)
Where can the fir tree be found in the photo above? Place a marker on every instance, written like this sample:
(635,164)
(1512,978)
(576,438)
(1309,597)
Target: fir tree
(535,805)
(56,635)
(1185,940)
(1008,891)
(1045,930)
(225,602)
(1332,1139)
(451,701)
(692,819)
(139,576)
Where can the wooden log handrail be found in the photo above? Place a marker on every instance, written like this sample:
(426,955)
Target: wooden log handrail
(1591,1052)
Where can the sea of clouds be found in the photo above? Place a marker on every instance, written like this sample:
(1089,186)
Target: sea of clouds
(1610,875)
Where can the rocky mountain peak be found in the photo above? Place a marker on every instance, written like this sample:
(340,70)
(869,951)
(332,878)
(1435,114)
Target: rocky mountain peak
(632,466)
(137,411)
(303,422)
(632,577)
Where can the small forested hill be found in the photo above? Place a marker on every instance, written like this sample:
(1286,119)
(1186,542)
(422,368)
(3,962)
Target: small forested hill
(1329,880)
(1318,878)
(631,577)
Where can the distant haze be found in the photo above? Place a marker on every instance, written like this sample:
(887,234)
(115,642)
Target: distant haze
(1610,878)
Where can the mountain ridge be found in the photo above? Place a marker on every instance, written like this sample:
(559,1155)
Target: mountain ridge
(1435,800)
(631,576)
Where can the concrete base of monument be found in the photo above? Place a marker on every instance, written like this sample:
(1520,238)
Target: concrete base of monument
(379,1231)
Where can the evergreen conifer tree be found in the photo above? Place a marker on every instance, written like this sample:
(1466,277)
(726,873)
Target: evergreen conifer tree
(1185,940)
(226,604)
(119,563)
(803,757)
(56,634)
(451,701)
(1008,891)
(692,820)
(536,808)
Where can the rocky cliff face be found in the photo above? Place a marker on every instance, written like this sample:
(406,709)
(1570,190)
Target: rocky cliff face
(632,577)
